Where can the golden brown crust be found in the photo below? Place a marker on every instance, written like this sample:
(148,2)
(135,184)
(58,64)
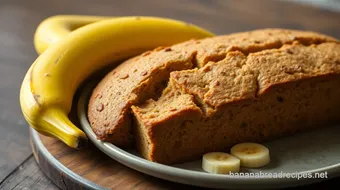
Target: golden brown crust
(238,76)
(214,49)
(144,76)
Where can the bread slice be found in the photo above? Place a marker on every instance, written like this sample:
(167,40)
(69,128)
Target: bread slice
(131,83)
(255,97)
(143,77)
(170,110)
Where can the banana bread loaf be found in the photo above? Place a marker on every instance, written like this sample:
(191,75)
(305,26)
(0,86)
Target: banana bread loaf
(241,98)
(253,85)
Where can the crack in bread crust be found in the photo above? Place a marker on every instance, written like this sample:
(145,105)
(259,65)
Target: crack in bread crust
(145,76)
(252,75)
(215,49)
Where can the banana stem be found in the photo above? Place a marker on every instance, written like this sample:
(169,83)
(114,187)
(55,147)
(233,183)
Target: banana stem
(59,125)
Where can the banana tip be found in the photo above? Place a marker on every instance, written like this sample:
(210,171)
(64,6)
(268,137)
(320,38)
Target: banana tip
(82,143)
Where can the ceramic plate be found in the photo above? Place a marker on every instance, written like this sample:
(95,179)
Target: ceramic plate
(296,160)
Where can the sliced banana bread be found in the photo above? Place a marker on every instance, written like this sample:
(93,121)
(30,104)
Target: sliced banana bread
(143,77)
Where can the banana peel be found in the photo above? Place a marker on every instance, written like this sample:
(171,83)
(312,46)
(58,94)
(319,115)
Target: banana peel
(71,48)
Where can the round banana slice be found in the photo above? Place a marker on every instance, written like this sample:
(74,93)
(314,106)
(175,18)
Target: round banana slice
(220,163)
(252,155)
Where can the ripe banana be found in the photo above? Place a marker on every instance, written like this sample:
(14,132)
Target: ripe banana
(252,155)
(55,28)
(220,163)
(48,87)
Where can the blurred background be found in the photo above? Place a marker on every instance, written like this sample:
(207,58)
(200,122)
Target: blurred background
(19,19)
(328,4)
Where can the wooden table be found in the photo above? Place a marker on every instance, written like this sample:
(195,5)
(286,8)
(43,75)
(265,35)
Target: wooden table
(19,19)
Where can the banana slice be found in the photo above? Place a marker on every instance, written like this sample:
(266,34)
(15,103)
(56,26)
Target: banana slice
(220,163)
(252,155)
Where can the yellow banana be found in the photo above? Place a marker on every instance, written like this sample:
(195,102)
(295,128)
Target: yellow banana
(55,28)
(48,88)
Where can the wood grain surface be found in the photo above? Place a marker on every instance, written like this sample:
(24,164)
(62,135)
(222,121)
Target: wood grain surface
(28,176)
(19,19)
